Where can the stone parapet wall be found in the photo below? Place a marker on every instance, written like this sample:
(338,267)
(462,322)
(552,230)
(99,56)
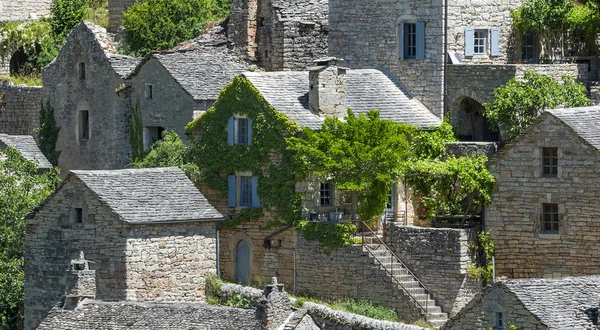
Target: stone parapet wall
(439,258)
(468,148)
(20,109)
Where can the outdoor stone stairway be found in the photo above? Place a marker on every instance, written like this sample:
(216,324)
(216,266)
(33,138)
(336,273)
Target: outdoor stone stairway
(400,278)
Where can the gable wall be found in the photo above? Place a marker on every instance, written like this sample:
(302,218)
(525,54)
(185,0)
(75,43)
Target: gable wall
(514,216)
(108,146)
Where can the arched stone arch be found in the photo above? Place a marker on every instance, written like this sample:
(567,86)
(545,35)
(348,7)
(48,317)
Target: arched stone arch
(469,122)
(234,245)
(17,61)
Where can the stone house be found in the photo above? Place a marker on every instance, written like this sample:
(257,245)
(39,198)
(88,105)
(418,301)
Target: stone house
(450,58)
(280,34)
(148,234)
(566,303)
(81,84)
(543,212)
(174,87)
(26,145)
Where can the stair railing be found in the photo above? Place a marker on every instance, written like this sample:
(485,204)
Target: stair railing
(393,257)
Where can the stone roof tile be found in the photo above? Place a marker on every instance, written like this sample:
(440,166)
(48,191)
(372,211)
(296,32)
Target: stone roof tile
(584,121)
(368,89)
(28,148)
(93,314)
(303,10)
(150,195)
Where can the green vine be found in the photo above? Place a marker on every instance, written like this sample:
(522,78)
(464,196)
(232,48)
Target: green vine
(48,133)
(330,235)
(482,252)
(136,132)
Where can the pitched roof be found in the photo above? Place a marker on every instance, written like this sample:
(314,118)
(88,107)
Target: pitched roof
(368,89)
(303,10)
(93,314)
(202,71)
(558,303)
(149,195)
(123,65)
(584,121)
(26,145)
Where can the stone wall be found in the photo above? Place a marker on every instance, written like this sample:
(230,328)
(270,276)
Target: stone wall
(242,26)
(477,82)
(115,13)
(20,109)
(5,64)
(439,258)
(523,250)
(468,148)
(24,10)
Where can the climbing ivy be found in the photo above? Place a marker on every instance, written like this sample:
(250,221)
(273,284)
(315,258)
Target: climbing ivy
(482,252)
(48,133)
(136,133)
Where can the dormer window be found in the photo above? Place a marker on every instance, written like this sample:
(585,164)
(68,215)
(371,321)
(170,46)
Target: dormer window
(239,130)
(82,72)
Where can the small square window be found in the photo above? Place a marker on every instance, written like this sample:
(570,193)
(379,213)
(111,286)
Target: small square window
(84,125)
(242,131)
(326,194)
(245,191)
(480,42)
(549,162)
(82,72)
(499,322)
(550,218)
(149,91)
(78,215)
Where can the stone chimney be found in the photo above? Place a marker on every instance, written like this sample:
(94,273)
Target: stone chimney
(328,88)
(81,282)
(274,306)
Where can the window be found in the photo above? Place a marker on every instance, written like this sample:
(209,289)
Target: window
(151,135)
(476,41)
(550,162)
(82,73)
(499,322)
(412,41)
(326,194)
(550,218)
(149,91)
(529,48)
(84,125)
(243,191)
(78,215)
(480,42)
(239,130)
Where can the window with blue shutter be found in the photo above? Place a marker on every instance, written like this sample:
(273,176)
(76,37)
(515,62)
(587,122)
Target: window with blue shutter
(231,194)
(255,199)
(412,41)
(249,131)
(239,131)
(401,41)
(242,137)
(420,40)
(246,191)
(469,42)
(231,131)
(495,42)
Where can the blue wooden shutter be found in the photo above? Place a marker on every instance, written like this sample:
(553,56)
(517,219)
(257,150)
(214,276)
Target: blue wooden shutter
(420,40)
(230,131)
(231,202)
(249,131)
(401,41)
(495,42)
(255,199)
(469,42)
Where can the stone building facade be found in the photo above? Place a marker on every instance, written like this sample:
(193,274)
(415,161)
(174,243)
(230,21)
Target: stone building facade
(567,303)
(19,109)
(115,13)
(543,211)
(280,35)
(149,236)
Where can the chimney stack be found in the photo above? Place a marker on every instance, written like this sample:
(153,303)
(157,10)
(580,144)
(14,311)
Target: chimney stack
(81,282)
(328,87)
(274,306)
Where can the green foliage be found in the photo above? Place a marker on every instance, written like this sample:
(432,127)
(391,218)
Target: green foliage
(213,286)
(443,186)
(483,252)
(423,324)
(238,301)
(36,41)
(330,235)
(368,309)
(521,100)
(97,13)
(136,133)
(65,15)
(48,133)
(162,24)
(432,144)
(246,215)
(28,80)
(22,187)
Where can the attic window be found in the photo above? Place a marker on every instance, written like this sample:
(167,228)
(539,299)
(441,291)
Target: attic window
(82,73)
(148,91)
(78,215)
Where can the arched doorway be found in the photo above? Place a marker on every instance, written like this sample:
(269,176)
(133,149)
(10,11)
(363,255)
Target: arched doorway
(18,61)
(480,127)
(242,263)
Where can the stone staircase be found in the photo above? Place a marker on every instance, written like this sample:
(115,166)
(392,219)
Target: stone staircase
(402,279)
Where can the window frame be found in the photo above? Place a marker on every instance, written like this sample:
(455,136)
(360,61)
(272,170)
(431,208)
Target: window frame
(326,188)
(410,41)
(549,162)
(242,131)
(149,92)
(480,42)
(83,125)
(244,190)
(551,217)
(529,45)
(77,215)
(499,320)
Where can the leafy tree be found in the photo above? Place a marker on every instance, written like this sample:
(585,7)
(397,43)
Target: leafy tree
(22,187)
(48,133)
(65,15)
(362,154)
(162,24)
(521,100)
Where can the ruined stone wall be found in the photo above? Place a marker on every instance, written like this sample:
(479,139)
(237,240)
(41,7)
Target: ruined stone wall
(365,34)
(479,81)
(115,13)
(169,262)
(24,10)
(242,26)
(480,313)
(439,257)
(20,109)
(514,217)
(5,64)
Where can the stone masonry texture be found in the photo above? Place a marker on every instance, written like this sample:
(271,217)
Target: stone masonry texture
(24,10)
(115,13)
(19,109)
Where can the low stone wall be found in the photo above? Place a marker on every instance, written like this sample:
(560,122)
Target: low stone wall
(468,148)
(19,109)
(439,258)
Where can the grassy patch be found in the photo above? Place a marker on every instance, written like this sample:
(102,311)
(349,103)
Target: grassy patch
(361,307)
(423,324)
(29,80)
(97,13)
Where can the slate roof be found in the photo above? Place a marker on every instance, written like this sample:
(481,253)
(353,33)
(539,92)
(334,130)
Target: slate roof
(26,145)
(368,89)
(149,195)
(558,303)
(202,71)
(123,65)
(93,314)
(302,10)
(584,121)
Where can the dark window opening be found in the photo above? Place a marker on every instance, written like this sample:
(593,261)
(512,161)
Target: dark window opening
(529,48)
(84,125)
(153,134)
(326,194)
(549,162)
(82,73)
(550,218)
(79,266)
(410,41)
(243,131)
(78,215)
(245,191)
(149,91)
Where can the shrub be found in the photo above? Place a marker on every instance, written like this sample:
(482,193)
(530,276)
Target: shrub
(368,309)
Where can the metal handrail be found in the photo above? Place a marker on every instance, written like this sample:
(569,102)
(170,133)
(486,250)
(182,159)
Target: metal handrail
(392,254)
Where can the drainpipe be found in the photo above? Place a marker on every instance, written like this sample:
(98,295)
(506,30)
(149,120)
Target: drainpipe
(218,261)
(445,93)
